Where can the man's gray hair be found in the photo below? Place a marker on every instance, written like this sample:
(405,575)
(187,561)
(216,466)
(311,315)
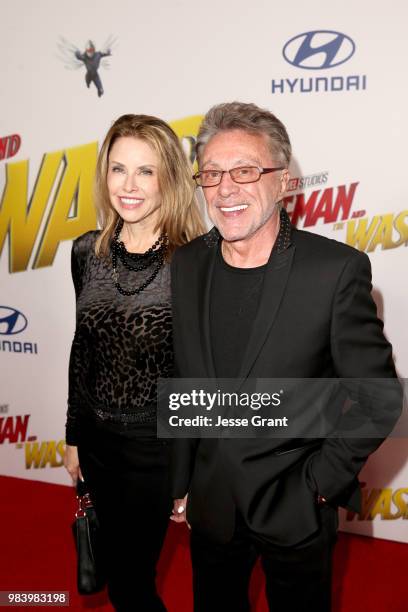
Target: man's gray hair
(249,118)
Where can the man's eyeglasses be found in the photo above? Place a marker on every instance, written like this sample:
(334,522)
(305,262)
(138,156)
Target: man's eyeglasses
(242,174)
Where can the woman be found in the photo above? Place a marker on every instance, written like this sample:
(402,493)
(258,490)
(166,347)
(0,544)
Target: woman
(122,345)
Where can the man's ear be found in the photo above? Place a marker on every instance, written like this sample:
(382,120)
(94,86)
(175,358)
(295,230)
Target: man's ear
(284,180)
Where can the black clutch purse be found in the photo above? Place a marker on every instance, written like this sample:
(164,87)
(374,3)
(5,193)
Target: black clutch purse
(91,576)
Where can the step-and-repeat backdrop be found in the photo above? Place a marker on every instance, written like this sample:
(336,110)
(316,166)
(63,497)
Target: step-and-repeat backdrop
(335,73)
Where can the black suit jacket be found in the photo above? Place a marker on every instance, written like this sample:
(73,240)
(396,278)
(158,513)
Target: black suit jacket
(316,319)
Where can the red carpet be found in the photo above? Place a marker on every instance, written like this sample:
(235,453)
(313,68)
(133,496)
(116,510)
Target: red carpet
(37,553)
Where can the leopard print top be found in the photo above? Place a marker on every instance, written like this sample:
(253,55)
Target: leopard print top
(122,344)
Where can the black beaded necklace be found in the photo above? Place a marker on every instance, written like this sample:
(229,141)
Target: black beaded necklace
(141,261)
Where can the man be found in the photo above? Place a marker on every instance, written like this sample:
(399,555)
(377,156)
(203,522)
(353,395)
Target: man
(92,59)
(256,298)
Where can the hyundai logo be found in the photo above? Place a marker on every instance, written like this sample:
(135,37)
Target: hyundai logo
(11,321)
(318,49)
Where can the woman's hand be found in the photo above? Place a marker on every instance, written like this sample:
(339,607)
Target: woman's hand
(71,463)
(179,511)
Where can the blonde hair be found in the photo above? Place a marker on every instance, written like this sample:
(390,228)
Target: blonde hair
(179,216)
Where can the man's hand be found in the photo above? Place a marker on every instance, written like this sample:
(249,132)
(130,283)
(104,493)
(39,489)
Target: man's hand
(71,463)
(179,511)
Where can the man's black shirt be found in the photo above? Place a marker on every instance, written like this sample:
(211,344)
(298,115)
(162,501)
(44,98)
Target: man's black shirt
(235,294)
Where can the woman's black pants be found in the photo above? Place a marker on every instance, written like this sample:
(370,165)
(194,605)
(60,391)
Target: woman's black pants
(127,472)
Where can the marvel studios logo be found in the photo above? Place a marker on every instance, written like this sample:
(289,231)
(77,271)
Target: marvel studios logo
(303,182)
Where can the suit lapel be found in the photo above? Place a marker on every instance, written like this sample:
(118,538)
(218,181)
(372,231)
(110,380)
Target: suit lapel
(207,266)
(275,281)
(276,277)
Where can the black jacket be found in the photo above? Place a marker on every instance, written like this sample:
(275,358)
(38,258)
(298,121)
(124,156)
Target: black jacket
(316,319)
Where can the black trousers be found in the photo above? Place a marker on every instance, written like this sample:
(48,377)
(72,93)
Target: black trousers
(297,578)
(127,472)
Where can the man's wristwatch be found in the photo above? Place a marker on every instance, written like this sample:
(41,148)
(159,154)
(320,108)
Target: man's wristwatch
(321,501)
